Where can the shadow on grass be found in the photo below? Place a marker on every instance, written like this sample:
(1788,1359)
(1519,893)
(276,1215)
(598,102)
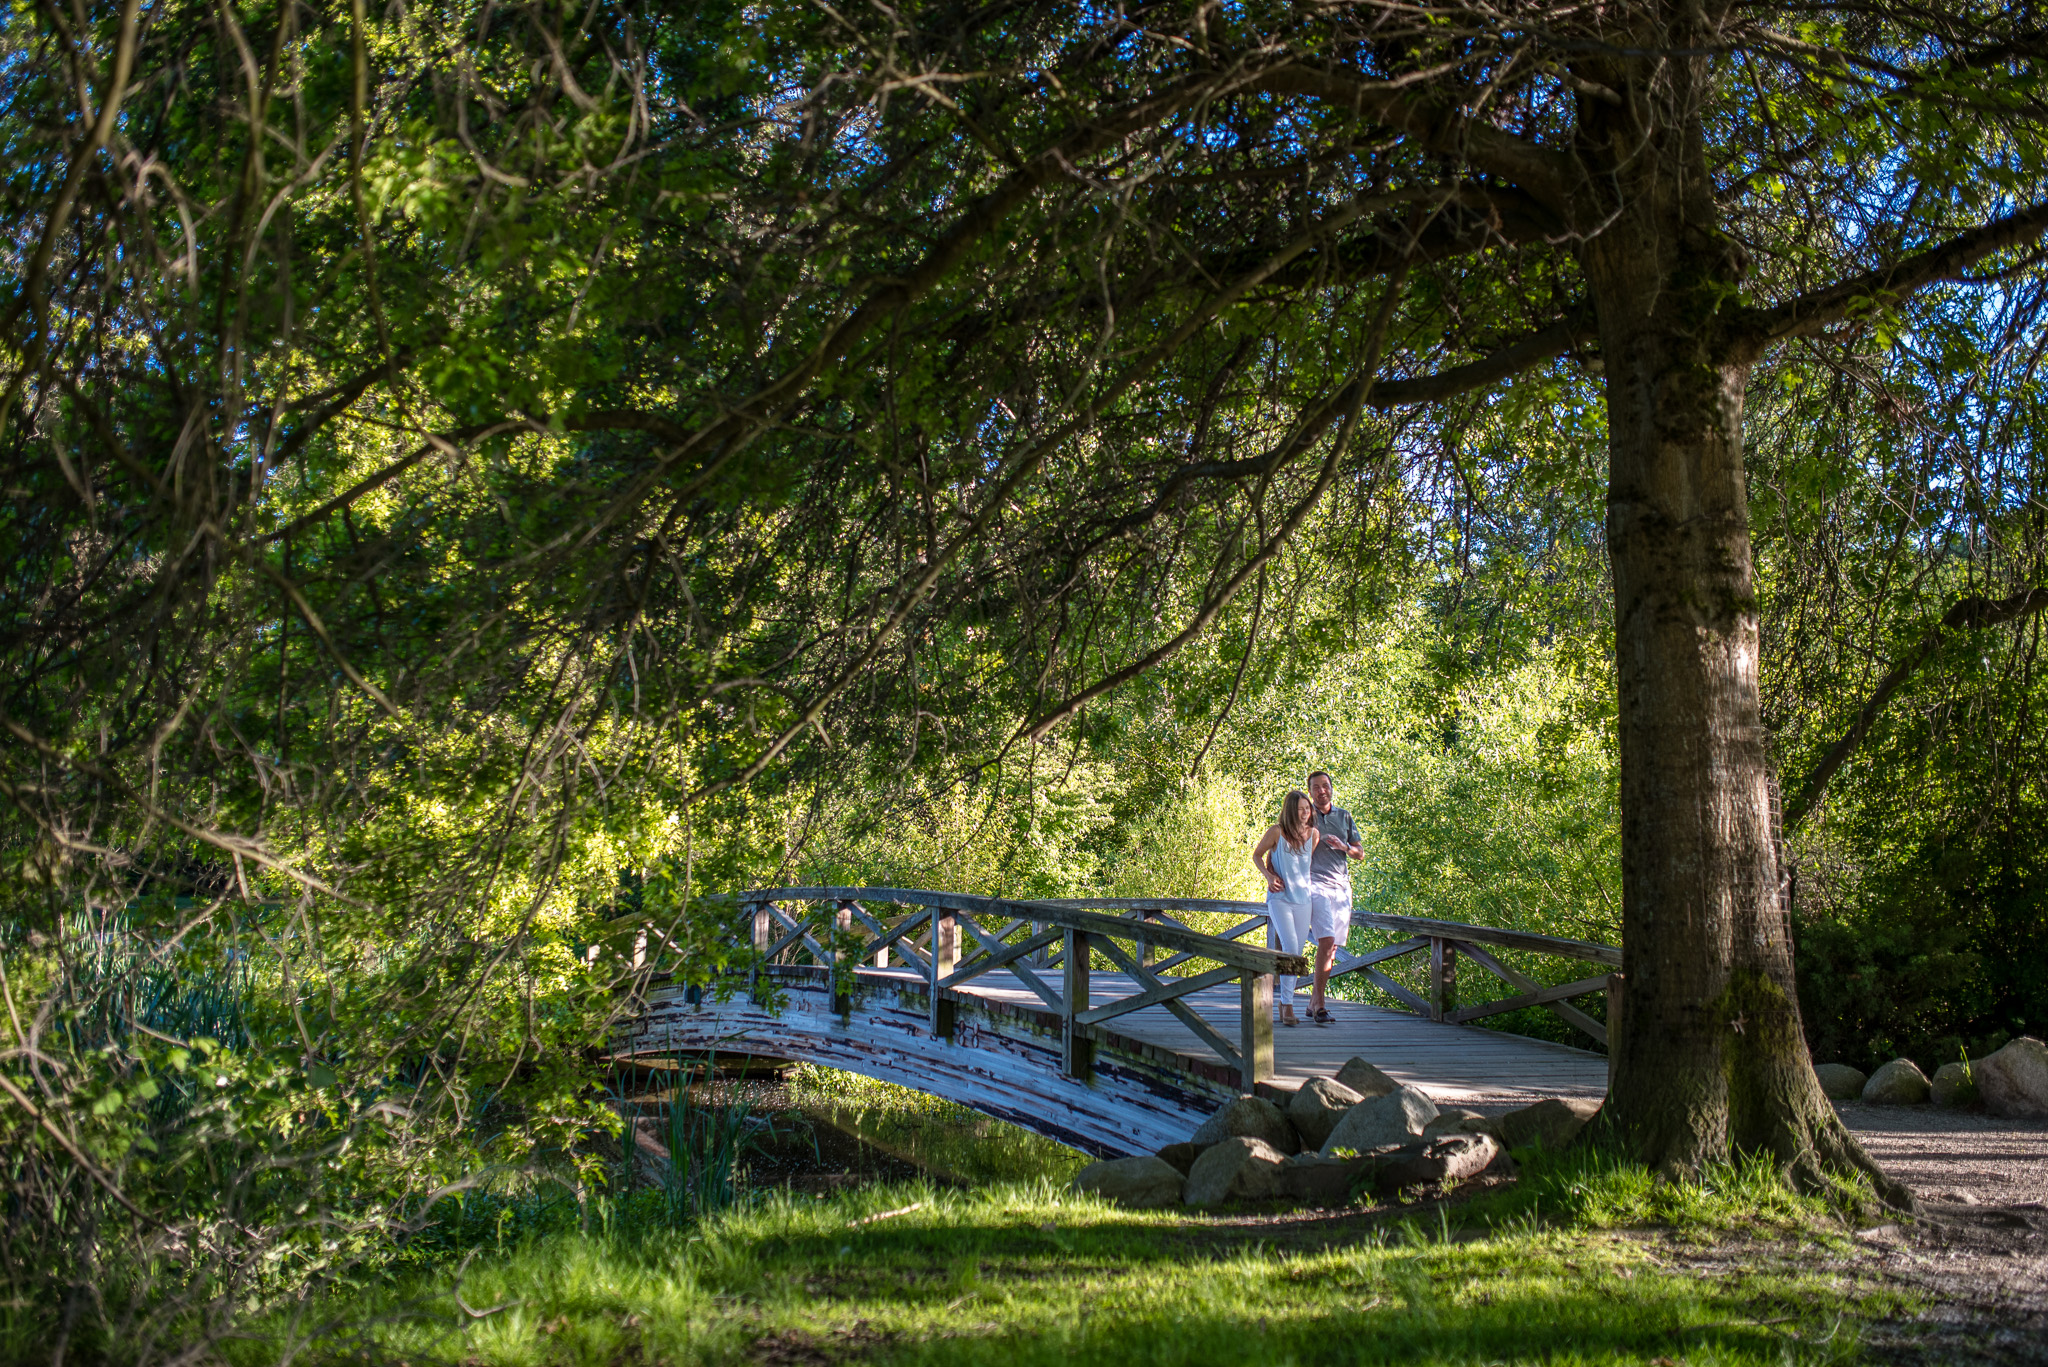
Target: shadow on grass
(1028,1274)
(1555,1328)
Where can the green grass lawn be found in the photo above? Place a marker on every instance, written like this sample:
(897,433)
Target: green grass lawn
(1581,1262)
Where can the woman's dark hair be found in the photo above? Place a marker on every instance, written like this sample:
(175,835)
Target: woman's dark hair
(1294,831)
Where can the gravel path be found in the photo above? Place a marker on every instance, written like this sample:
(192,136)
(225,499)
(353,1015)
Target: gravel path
(1954,1156)
(1980,1249)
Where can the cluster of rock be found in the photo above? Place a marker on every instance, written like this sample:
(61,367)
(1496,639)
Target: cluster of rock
(2011,1082)
(1336,1139)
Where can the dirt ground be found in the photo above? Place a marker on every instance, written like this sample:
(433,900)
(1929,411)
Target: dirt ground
(1980,1247)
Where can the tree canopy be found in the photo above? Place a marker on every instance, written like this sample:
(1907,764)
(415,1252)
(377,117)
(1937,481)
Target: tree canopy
(471,464)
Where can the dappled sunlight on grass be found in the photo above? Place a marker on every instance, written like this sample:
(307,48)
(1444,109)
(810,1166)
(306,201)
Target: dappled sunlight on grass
(1587,1188)
(1027,1272)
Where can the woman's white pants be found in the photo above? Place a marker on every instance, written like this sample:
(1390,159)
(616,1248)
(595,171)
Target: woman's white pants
(1287,927)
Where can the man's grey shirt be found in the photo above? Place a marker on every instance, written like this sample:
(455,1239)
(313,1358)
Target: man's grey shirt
(1330,870)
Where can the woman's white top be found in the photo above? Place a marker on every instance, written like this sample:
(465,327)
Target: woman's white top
(1293,867)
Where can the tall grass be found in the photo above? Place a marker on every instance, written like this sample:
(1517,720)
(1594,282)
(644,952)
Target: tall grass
(708,1143)
(121,978)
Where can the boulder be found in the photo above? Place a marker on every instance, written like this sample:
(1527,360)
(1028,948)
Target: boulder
(1364,1079)
(1952,1085)
(1898,1083)
(1457,1120)
(1251,1117)
(1317,1107)
(1243,1168)
(1314,1180)
(1182,1156)
(1552,1123)
(1396,1118)
(2014,1081)
(1445,1158)
(1141,1183)
(1840,1082)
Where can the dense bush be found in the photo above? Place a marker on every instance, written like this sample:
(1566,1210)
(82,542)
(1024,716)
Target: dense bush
(1941,956)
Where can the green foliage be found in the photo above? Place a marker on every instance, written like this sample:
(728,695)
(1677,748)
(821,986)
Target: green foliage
(1198,844)
(1497,805)
(1878,508)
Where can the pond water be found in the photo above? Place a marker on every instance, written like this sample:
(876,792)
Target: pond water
(815,1129)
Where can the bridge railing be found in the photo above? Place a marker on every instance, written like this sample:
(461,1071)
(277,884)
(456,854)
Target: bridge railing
(1442,942)
(947,940)
(1052,949)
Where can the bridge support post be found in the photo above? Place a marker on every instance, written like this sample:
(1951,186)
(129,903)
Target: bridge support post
(843,964)
(763,931)
(1080,1049)
(1443,977)
(1255,1029)
(1617,1002)
(945,958)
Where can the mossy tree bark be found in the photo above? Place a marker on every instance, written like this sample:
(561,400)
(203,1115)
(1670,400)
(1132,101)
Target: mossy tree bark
(1712,1061)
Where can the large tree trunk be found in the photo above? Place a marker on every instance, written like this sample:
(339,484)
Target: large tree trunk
(1711,1060)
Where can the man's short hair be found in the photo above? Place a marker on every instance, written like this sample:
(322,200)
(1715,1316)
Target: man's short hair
(1322,773)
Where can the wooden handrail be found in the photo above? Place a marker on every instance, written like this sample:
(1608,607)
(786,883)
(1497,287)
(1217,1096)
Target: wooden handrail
(1250,958)
(957,948)
(1156,904)
(1068,914)
(1489,935)
(1422,926)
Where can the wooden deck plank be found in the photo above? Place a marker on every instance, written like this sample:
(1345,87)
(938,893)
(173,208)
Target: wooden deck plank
(1456,1064)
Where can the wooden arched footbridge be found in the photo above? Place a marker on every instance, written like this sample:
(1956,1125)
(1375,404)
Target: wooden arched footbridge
(1112,1025)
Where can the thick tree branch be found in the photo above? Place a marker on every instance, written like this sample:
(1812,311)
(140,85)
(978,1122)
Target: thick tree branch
(1425,114)
(1512,359)
(1881,288)
(1968,615)
(1461,220)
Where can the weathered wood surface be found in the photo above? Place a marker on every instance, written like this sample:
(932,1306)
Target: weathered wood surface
(1007,1056)
(1056,1016)
(1151,1080)
(1457,1065)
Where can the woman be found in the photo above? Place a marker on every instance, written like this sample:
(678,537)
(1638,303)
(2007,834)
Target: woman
(1282,859)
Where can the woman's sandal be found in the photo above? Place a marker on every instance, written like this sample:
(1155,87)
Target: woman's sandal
(1321,1016)
(1289,1021)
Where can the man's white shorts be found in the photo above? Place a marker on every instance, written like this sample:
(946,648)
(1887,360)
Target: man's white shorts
(1329,915)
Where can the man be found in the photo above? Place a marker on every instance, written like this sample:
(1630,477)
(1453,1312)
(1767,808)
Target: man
(1337,845)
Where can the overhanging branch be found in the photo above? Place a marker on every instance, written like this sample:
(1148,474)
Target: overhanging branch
(1510,360)
(1353,396)
(1882,288)
(1968,615)
(1426,111)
